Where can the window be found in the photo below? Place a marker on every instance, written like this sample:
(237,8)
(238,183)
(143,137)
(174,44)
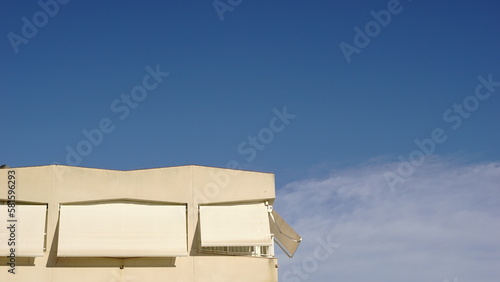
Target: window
(122,230)
(27,231)
(245,229)
(236,229)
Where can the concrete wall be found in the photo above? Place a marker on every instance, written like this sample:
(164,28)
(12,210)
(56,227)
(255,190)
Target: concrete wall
(191,185)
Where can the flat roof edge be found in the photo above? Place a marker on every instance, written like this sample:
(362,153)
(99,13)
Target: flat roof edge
(166,167)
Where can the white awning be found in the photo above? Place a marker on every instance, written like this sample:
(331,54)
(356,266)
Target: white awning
(122,230)
(284,234)
(235,225)
(29,230)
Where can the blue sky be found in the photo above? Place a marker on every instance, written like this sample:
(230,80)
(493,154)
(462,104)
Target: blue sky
(229,73)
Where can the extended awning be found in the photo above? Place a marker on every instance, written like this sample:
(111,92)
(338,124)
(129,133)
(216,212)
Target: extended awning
(235,225)
(26,230)
(284,235)
(122,230)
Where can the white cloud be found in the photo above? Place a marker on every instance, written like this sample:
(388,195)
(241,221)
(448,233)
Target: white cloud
(442,222)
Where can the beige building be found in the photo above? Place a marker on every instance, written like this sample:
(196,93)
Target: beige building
(187,223)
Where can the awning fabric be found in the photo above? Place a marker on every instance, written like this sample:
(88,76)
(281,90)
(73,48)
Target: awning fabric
(284,234)
(122,230)
(28,230)
(235,225)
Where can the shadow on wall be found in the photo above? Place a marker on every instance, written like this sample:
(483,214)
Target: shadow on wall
(20,261)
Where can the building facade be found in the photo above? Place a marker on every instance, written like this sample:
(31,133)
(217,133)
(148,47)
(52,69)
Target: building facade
(187,223)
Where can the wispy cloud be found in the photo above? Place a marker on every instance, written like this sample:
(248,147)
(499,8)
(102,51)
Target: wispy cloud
(443,222)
